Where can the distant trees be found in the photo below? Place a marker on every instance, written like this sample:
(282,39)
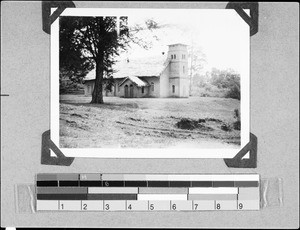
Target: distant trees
(197,61)
(217,83)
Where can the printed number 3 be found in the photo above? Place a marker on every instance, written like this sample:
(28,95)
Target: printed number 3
(107,207)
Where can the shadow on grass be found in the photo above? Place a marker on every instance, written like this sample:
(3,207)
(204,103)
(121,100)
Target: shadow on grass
(112,106)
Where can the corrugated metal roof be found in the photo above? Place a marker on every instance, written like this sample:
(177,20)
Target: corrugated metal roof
(147,66)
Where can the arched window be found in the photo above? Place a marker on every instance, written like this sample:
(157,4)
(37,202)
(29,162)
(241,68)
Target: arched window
(174,56)
(152,86)
(171,56)
(143,89)
(173,88)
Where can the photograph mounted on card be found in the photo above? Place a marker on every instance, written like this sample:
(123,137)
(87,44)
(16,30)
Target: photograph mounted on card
(150,83)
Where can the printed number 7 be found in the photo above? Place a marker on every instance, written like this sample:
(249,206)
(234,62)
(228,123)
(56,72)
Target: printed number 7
(196,206)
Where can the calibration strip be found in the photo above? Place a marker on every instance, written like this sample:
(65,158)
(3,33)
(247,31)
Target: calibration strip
(147,192)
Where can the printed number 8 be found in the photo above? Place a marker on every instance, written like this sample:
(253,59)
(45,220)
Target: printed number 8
(218,206)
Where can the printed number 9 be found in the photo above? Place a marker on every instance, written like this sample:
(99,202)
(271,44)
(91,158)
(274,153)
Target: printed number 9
(240,206)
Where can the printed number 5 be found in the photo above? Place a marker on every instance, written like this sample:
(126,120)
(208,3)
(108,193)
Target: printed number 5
(151,207)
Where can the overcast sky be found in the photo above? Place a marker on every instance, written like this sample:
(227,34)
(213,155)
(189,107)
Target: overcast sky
(221,34)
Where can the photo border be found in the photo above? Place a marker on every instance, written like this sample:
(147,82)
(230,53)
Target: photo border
(142,152)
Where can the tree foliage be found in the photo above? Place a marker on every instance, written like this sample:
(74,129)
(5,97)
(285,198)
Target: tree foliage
(217,83)
(95,42)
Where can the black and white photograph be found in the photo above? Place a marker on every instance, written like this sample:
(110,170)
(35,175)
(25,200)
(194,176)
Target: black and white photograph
(127,82)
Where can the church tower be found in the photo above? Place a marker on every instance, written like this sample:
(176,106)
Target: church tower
(178,70)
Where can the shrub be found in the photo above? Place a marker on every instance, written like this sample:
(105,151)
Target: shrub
(237,116)
(226,127)
(234,92)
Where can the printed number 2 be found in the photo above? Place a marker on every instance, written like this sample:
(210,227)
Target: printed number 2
(84,207)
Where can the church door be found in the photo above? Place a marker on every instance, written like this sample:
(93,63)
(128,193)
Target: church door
(131,91)
(126,91)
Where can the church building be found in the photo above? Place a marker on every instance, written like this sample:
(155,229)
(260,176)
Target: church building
(163,76)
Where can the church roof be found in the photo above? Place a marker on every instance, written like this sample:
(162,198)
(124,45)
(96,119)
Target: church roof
(141,67)
(137,81)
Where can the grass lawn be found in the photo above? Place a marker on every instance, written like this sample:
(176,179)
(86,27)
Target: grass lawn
(147,122)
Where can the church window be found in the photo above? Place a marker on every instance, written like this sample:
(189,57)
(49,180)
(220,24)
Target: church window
(152,86)
(173,88)
(174,56)
(143,89)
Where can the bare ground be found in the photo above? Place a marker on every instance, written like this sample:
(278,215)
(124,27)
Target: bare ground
(146,122)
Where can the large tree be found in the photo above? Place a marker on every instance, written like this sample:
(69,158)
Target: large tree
(96,41)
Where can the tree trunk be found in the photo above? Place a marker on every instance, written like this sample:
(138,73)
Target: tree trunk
(97,96)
